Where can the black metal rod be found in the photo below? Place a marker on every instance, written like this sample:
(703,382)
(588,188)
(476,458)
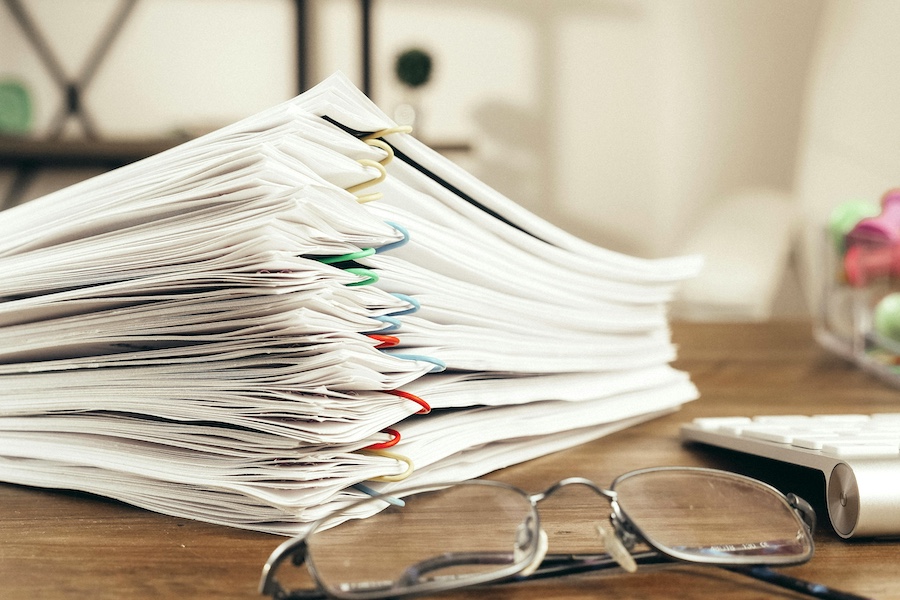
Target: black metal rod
(366,39)
(302,32)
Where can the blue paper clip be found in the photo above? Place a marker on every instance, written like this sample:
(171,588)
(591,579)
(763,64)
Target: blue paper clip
(414,304)
(389,499)
(398,243)
(439,365)
(393,324)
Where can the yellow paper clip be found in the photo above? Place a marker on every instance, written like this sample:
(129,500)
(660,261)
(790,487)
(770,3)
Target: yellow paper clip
(388,150)
(388,131)
(382,175)
(398,457)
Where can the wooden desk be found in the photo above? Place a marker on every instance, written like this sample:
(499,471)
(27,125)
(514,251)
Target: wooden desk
(66,545)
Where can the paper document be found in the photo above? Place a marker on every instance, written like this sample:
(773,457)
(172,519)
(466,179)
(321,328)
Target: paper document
(272,320)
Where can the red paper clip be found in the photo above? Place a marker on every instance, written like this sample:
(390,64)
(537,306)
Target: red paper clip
(395,437)
(426,408)
(386,341)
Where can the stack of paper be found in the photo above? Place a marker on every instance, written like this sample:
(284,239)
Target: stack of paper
(249,329)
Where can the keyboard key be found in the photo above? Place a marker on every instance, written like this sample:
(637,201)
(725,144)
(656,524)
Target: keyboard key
(860,450)
(814,442)
(781,419)
(887,417)
(781,435)
(857,419)
(713,423)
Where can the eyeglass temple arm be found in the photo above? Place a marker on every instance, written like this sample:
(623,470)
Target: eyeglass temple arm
(295,550)
(557,565)
(805,510)
(816,590)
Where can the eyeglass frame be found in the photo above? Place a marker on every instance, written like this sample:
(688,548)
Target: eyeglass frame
(626,532)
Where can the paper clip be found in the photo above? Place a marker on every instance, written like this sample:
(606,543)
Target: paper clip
(365,198)
(377,143)
(415,305)
(389,499)
(384,341)
(369,277)
(392,323)
(398,243)
(395,437)
(350,256)
(388,131)
(426,408)
(382,175)
(397,457)
(439,365)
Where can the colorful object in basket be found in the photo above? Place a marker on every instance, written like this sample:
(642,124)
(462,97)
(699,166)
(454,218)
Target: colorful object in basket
(883,228)
(845,217)
(887,317)
(864,263)
(860,309)
(871,244)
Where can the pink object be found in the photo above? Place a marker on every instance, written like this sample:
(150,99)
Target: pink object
(882,229)
(864,263)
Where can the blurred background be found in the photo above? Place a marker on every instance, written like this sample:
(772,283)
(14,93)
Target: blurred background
(648,127)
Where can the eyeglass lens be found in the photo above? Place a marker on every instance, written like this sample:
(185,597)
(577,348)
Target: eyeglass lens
(713,517)
(441,538)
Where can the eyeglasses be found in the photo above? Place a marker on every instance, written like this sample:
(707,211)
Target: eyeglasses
(443,537)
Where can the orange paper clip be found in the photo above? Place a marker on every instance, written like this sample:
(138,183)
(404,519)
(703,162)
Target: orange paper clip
(386,341)
(426,408)
(395,437)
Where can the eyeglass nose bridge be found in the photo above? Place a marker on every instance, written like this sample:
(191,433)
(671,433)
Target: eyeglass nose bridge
(623,537)
(626,534)
(601,491)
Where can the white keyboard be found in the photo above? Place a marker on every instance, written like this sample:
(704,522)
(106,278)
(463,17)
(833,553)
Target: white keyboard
(858,454)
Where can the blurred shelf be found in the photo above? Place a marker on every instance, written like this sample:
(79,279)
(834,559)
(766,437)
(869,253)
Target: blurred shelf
(32,152)
(26,156)
(449,146)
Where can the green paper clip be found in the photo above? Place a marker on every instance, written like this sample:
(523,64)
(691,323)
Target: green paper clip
(369,276)
(330,260)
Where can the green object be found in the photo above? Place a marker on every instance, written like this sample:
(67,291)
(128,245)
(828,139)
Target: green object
(887,317)
(845,217)
(330,260)
(15,108)
(413,67)
(370,276)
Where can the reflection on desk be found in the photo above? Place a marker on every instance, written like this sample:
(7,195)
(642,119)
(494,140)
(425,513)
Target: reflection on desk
(67,545)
